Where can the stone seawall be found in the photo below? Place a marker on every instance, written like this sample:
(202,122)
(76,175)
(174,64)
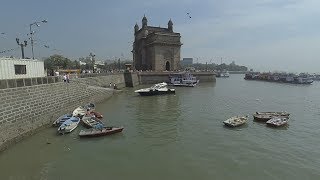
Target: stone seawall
(24,110)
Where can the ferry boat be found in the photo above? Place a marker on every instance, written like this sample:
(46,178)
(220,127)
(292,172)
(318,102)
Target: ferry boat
(183,79)
(223,73)
(157,89)
(303,79)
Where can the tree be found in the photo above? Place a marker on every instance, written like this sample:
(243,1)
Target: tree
(56,62)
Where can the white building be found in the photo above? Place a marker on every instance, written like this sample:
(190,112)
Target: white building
(11,68)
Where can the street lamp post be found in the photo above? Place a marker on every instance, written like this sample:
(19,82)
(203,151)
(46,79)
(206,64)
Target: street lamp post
(31,33)
(22,45)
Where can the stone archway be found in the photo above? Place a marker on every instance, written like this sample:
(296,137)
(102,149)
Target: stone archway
(167,66)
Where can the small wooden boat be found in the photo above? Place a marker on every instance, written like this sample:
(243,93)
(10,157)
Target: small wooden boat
(90,106)
(96,114)
(265,116)
(89,121)
(278,121)
(235,121)
(281,113)
(262,117)
(79,111)
(100,132)
(61,119)
(69,125)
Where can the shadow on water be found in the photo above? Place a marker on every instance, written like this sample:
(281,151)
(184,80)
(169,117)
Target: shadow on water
(263,123)
(284,127)
(238,128)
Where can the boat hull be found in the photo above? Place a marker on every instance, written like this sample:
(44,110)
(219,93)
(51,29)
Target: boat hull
(265,116)
(104,132)
(69,125)
(90,122)
(235,121)
(185,84)
(278,121)
(156,92)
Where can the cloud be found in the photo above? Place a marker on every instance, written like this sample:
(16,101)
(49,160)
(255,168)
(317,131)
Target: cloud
(249,31)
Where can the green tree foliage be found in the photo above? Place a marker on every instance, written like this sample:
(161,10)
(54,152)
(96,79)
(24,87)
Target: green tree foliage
(231,67)
(55,62)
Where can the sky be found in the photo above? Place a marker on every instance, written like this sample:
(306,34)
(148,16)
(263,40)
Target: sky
(266,35)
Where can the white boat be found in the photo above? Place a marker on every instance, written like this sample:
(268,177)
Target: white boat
(79,111)
(278,121)
(157,89)
(183,79)
(69,125)
(235,121)
(223,73)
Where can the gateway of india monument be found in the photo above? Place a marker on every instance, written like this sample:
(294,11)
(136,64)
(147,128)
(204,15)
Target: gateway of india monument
(156,48)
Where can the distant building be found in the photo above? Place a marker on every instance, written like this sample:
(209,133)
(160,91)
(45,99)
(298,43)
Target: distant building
(186,61)
(101,63)
(82,63)
(156,48)
(11,68)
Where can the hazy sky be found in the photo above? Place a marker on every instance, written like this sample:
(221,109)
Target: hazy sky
(261,34)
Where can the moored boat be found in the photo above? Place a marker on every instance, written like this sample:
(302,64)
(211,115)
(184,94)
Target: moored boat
(61,119)
(183,79)
(79,111)
(262,117)
(278,121)
(224,74)
(90,106)
(235,121)
(82,110)
(96,114)
(265,116)
(69,125)
(157,89)
(280,113)
(90,122)
(100,132)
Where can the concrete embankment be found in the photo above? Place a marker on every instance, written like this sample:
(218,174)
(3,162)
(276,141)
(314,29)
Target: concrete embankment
(26,108)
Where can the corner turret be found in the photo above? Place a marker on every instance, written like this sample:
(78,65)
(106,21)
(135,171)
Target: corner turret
(144,22)
(170,26)
(136,28)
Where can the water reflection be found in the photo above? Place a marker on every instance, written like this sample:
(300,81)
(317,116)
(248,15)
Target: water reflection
(157,118)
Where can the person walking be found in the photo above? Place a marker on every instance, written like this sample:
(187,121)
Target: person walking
(64,78)
(68,78)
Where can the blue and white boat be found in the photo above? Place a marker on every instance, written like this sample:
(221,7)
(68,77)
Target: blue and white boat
(61,119)
(183,79)
(69,125)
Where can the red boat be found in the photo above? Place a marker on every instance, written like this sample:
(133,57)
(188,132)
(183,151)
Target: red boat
(100,132)
(96,114)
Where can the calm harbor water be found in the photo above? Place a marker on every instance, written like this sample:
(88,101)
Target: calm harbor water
(182,137)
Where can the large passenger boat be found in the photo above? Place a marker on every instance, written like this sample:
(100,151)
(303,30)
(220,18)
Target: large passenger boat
(157,89)
(183,79)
